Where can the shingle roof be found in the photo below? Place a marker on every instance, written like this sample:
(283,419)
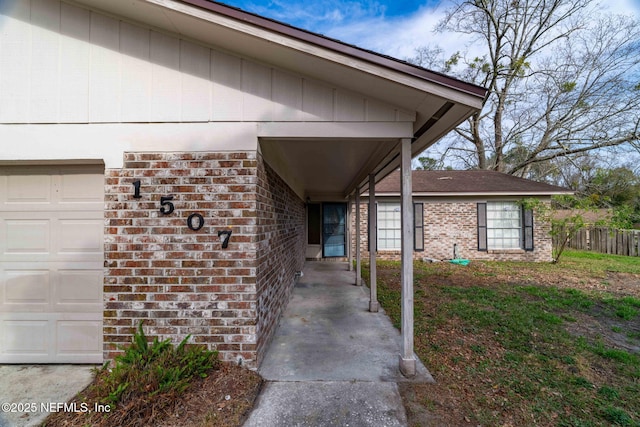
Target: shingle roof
(444,182)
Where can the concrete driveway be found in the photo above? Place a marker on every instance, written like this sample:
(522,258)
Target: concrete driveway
(28,393)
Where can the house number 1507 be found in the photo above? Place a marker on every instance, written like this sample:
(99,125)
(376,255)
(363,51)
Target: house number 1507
(195,221)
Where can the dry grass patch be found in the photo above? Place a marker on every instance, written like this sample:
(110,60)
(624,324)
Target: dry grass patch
(512,344)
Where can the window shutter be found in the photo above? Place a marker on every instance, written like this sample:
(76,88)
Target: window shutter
(527,228)
(482,226)
(368,229)
(418,227)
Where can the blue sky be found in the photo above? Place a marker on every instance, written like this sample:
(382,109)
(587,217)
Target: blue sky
(386,26)
(392,27)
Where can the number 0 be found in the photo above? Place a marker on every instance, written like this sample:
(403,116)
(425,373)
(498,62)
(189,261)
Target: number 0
(190,222)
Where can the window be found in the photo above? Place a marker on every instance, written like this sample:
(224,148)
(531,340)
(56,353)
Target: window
(504,225)
(389,226)
(389,232)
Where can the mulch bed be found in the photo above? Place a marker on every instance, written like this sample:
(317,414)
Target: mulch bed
(224,398)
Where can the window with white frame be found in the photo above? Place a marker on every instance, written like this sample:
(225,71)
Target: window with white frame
(504,225)
(389,226)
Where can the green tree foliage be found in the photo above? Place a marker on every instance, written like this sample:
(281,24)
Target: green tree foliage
(563,227)
(430,164)
(614,187)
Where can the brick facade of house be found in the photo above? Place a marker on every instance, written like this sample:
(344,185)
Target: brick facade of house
(280,251)
(455,222)
(179,279)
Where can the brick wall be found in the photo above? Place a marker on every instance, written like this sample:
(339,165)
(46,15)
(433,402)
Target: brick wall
(446,223)
(280,250)
(181,281)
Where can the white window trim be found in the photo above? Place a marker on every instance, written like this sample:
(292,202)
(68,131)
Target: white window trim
(491,240)
(380,247)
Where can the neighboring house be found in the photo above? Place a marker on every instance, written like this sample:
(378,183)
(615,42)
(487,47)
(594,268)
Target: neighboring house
(590,217)
(475,213)
(156,163)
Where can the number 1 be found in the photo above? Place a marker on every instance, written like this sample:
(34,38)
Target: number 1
(136,189)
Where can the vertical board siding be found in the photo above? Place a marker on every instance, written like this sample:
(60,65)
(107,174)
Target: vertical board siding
(45,48)
(165,78)
(16,67)
(73,93)
(256,88)
(226,76)
(287,96)
(135,89)
(195,63)
(60,63)
(317,101)
(104,72)
(349,107)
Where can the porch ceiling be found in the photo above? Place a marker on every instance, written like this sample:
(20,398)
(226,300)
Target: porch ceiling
(325,169)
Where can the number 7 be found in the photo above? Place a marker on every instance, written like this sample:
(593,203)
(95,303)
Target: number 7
(227,236)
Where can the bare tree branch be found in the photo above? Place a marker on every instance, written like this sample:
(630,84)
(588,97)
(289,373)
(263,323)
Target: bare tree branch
(563,80)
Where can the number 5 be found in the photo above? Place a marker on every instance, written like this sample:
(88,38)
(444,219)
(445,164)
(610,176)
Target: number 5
(166,206)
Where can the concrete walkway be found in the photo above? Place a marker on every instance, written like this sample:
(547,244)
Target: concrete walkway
(332,362)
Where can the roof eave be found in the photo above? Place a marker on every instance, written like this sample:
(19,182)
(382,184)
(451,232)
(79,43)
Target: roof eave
(477,194)
(341,47)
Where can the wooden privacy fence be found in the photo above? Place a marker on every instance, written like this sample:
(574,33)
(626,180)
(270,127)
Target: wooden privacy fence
(607,241)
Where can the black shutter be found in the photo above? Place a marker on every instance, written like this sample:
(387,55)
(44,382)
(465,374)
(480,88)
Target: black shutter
(368,229)
(418,227)
(527,229)
(482,227)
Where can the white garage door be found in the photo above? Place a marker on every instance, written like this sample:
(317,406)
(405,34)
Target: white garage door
(51,264)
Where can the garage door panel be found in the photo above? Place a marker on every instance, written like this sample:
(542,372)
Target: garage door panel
(27,236)
(26,291)
(78,188)
(80,236)
(29,189)
(78,291)
(79,338)
(51,264)
(25,338)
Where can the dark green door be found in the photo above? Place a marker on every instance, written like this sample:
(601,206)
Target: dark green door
(334,229)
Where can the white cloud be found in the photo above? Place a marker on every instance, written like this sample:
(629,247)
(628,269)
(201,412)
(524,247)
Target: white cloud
(399,37)
(364,23)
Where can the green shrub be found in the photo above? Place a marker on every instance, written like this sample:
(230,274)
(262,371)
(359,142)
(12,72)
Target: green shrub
(149,369)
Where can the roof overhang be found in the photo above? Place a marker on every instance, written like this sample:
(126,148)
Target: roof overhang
(476,194)
(440,102)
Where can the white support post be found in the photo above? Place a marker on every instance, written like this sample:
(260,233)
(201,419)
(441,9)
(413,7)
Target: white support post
(407,357)
(349,234)
(373,238)
(357,233)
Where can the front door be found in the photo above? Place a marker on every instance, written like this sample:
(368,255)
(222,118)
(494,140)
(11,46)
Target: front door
(334,230)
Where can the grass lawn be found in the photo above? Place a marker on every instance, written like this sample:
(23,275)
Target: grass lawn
(519,344)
